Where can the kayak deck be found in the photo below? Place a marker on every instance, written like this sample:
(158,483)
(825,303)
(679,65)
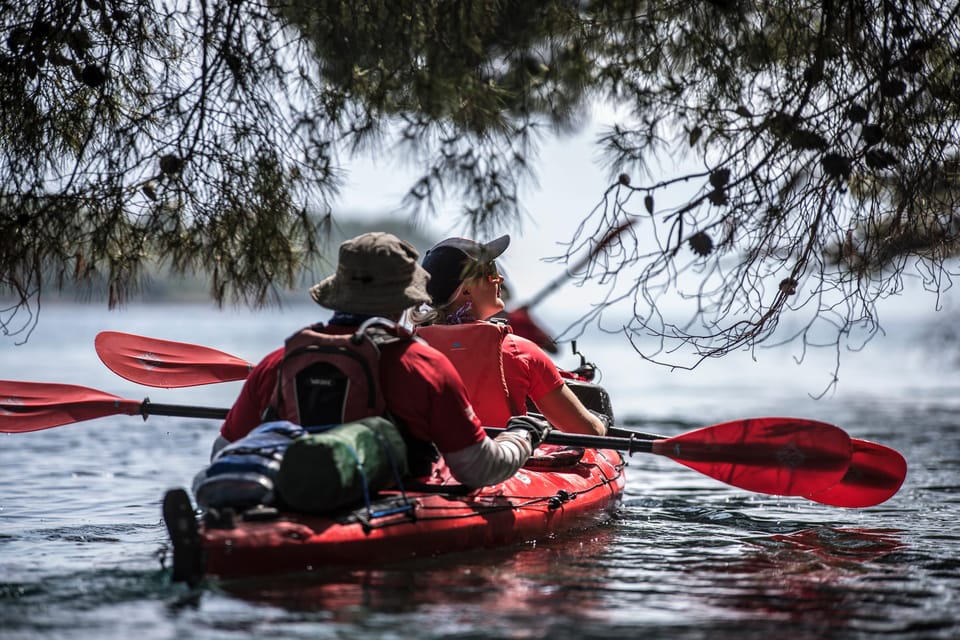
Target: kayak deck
(553,493)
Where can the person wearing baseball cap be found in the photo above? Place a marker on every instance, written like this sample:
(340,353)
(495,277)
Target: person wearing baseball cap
(453,261)
(501,370)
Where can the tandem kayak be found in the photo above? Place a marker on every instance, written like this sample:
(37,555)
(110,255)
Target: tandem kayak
(559,489)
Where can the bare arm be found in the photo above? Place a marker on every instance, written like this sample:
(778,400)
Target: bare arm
(565,412)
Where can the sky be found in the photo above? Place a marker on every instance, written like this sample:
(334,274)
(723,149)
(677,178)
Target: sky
(569,183)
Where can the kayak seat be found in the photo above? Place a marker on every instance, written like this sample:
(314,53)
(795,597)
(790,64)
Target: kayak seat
(593,396)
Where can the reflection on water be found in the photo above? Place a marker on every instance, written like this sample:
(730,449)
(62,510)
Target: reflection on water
(527,580)
(686,556)
(813,570)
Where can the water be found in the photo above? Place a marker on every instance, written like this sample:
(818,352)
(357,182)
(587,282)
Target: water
(82,543)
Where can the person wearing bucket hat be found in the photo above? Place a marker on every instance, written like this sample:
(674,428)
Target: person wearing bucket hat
(501,370)
(378,276)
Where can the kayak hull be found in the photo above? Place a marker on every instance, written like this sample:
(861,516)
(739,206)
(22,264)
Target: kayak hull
(554,493)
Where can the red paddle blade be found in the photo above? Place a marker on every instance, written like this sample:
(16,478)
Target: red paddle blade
(779,456)
(31,406)
(875,475)
(164,363)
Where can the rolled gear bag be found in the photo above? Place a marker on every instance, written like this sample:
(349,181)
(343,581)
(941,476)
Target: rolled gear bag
(341,465)
(243,473)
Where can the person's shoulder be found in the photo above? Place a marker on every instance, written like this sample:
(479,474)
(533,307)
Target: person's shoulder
(269,361)
(419,362)
(529,352)
(524,345)
(418,354)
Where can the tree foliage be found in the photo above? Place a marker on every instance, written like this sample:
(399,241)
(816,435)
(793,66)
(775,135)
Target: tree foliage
(822,137)
(825,135)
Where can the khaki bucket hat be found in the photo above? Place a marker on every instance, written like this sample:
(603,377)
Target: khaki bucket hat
(377,274)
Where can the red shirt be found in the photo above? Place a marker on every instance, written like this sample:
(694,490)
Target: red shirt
(528,370)
(420,386)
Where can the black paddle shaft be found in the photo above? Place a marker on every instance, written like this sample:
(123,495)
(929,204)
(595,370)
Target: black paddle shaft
(631,445)
(148,408)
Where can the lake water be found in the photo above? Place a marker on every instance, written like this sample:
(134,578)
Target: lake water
(82,541)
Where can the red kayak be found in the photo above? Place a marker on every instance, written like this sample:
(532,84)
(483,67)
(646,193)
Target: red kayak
(562,488)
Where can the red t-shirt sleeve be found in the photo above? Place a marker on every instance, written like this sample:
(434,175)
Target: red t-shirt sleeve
(423,390)
(525,360)
(247,409)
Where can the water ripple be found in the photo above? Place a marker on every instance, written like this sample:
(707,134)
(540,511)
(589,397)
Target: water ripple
(685,557)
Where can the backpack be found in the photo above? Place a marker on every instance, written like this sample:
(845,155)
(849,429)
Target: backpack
(327,439)
(326,379)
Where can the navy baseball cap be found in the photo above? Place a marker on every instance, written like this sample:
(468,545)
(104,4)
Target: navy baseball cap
(450,262)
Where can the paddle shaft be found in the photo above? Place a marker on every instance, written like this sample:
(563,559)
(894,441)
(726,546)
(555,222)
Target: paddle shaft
(181,411)
(635,443)
(690,453)
(630,445)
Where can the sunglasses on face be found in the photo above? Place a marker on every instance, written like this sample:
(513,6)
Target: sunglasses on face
(487,270)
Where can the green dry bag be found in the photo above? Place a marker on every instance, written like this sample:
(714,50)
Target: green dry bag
(342,465)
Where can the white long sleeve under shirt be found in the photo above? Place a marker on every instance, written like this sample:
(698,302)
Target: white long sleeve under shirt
(491,460)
